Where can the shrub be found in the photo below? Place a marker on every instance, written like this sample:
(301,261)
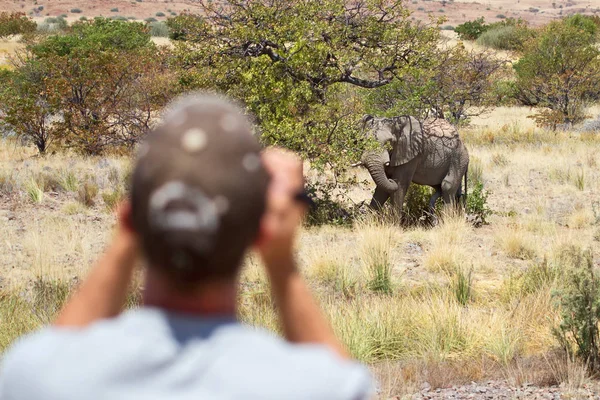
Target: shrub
(447,28)
(327,209)
(579,304)
(151,19)
(471,30)
(15,23)
(114,9)
(416,205)
(501,16)
(559,73)
(160,14)
(76,11)
(477,208)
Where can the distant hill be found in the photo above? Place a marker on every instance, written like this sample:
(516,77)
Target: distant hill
(537,12)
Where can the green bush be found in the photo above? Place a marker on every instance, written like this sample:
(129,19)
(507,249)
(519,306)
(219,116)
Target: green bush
(114,9)
(15,24)
(327,209)
(447,28)
(501,16)
(477,208)
(416,205)
(76,11)
(151,19)
(579,304)
(160,14)
(471,30)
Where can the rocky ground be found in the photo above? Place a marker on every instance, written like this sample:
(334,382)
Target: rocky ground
(502,390)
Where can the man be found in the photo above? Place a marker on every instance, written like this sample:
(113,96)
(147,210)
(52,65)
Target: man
(202,194)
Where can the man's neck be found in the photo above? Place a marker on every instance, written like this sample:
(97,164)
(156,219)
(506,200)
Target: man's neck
(209,299)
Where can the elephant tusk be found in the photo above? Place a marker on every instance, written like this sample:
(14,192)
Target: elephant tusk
(358,164)
(387,164)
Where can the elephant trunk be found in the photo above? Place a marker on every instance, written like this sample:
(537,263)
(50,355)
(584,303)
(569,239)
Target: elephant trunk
(376,168)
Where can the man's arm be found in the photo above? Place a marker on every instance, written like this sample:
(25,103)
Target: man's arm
(104,291)
(301,317)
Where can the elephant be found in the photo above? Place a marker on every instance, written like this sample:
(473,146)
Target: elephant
(426,153)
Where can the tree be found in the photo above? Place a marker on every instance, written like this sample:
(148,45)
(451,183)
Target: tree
(25,106)
(559,73)
(299,66)
(471,30)
(15,23)
(101,85)
(458,84)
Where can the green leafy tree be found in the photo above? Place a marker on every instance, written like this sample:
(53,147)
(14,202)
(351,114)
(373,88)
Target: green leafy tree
(102,83)
(25,106)
(456,85)
(471,30)
(559,73)
(300,67)
(15,23)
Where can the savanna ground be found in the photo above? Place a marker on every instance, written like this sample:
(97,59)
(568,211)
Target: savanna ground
(463,304)
(537,12)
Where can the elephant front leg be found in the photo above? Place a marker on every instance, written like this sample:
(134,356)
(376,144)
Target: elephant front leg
(379,198)
(398,199)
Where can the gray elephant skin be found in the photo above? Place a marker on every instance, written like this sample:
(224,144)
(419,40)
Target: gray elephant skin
(410,151)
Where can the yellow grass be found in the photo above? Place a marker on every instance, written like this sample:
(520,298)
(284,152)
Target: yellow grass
(415,329)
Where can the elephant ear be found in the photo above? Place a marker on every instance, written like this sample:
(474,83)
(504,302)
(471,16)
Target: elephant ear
(409,140)
(366,118)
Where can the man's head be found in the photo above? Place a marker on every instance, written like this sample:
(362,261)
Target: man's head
(198,191)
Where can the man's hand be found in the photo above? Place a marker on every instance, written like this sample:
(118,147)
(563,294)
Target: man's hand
(284,213)
(302,320)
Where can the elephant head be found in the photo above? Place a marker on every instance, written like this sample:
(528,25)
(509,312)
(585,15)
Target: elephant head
(400,140)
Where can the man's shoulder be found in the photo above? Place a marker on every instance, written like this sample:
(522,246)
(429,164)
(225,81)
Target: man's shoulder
(140,340)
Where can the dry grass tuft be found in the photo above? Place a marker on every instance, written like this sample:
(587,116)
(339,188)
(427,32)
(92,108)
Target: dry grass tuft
(517,244)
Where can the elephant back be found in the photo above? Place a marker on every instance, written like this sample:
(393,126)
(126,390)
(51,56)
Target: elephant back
(443,143)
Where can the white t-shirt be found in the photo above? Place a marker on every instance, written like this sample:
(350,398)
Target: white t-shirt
(150,354)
